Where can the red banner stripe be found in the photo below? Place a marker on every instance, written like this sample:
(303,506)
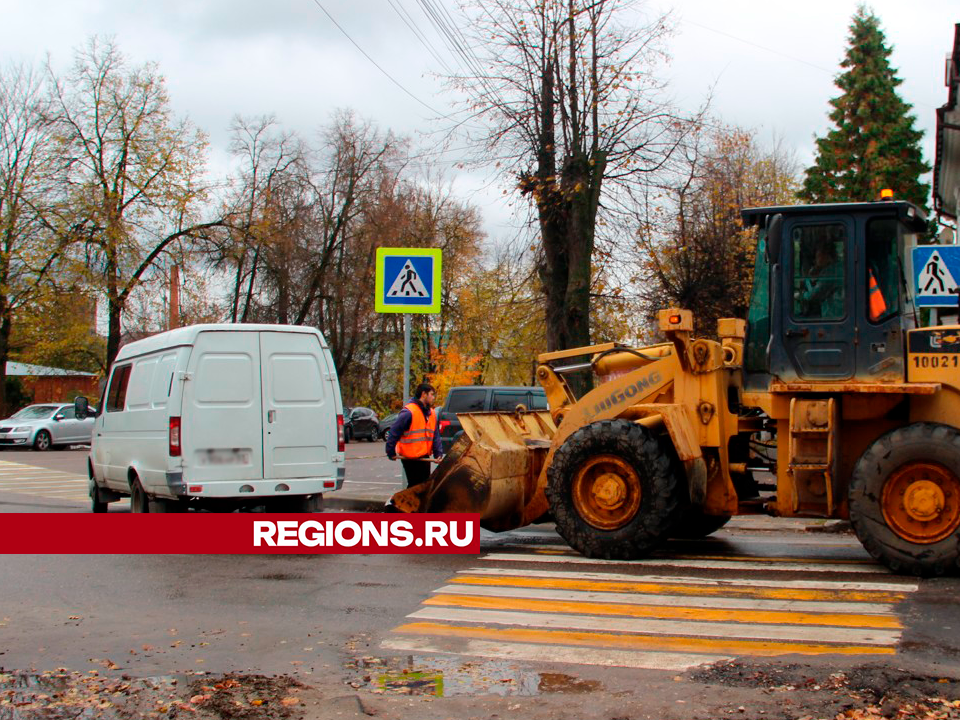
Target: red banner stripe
(235,533)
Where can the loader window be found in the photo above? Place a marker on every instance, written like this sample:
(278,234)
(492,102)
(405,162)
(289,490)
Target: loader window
(758,317)
(819,258)
(882,280)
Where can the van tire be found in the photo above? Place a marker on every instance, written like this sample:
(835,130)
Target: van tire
(139,502)
(97,503)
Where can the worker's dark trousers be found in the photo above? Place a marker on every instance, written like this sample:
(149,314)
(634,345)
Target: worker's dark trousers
(417,471)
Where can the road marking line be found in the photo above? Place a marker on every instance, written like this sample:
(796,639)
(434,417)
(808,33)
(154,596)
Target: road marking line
(671,600)
(45,480)
(735,584)
(46,473)
(558,653)
(863,558)
(639,642)
(679,612)
(700,564)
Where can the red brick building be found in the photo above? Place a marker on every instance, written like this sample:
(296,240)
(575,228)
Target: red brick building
(47,384)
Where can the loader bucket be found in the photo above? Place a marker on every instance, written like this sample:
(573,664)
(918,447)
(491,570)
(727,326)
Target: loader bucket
(491,470)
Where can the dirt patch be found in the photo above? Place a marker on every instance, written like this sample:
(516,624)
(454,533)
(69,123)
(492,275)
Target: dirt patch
(245,697)
(561,683)
(866,691)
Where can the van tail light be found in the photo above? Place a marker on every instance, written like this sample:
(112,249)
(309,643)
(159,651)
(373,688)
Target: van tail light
(444,424)
(341,440)
(174,437)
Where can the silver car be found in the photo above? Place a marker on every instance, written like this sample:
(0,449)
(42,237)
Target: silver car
(46,425)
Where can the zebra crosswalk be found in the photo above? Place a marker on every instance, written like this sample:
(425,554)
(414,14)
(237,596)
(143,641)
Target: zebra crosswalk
(747,597)
(38,481)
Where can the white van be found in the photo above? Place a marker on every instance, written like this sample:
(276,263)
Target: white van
(220,417)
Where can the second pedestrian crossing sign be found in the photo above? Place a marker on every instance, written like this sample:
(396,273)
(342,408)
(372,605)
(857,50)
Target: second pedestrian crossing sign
(936,269)
(408,280)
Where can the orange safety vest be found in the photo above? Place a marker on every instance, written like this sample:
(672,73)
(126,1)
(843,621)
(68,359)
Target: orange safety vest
(877,305)
(417,441)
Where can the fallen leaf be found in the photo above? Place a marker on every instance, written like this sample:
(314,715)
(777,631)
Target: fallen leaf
(288,701)
(257,702)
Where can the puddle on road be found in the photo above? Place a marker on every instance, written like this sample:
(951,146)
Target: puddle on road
(70,695)
(446,677)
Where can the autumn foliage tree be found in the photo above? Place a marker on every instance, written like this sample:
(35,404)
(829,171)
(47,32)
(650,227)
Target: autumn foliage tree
(694,252)
(132,180)
(873,143)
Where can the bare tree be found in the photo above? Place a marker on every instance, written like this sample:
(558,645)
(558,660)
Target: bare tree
(693,249)
(576,115)
(28,247)
(272,162)
(133,171)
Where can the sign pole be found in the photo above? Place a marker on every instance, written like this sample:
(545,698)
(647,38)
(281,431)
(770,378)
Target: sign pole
(406,357)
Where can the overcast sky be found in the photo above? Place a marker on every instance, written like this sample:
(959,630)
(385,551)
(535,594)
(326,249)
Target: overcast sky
(771,63)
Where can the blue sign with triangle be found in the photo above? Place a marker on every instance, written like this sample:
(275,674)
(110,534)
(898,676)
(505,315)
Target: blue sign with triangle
(936,269)
(408,280)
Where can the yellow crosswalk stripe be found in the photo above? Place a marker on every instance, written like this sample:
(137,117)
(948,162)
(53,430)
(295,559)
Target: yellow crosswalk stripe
(667,613)
(764,648)
(873,596)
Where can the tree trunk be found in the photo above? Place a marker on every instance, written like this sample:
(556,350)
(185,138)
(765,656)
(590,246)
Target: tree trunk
(114,310)
(5,325)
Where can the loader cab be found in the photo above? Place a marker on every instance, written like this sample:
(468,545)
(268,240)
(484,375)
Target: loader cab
(829,300)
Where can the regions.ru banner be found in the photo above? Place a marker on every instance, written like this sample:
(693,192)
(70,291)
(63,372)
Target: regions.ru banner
(213,533)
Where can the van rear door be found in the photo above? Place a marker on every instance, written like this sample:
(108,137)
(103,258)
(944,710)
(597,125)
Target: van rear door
(221,428)
(299,407)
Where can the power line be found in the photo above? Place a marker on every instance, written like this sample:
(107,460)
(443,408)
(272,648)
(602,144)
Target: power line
(756,45)
(376,64)
(412,24)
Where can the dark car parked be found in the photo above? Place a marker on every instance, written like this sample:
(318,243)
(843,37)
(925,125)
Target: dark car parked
(386,424)
(476,398)
(360,422)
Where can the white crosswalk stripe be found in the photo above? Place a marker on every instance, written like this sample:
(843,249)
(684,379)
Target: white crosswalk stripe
(699,602)
(42,482)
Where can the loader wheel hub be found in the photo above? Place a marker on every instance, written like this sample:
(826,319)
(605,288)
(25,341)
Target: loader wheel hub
(606,492)
(610,491)
(921,502)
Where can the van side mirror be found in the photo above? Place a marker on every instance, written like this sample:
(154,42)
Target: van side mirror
(82,407)
(774,238)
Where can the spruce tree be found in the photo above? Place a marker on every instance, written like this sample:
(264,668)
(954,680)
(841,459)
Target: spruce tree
(874,144)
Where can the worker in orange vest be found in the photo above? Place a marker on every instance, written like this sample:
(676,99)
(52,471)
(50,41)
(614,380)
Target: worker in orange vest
(415,435)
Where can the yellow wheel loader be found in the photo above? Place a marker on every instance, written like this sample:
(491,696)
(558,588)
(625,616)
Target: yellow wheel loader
(828,401)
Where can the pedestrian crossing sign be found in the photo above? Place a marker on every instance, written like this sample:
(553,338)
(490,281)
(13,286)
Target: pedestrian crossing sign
(936,269)
(408,280)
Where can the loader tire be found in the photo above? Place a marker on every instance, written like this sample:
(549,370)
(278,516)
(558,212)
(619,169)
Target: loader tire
(613,490)
(905,499)
(693,524)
